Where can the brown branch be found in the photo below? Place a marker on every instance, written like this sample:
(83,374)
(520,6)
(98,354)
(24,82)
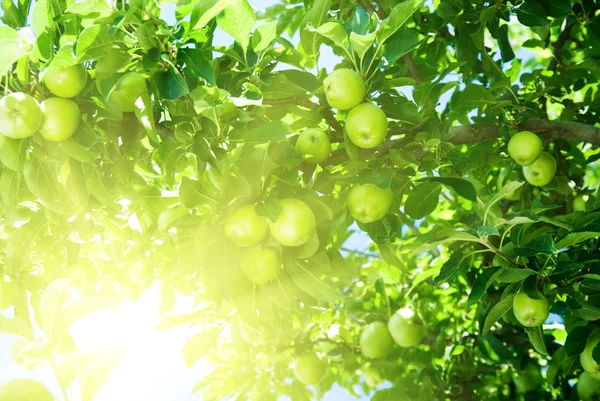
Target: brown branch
(467,134)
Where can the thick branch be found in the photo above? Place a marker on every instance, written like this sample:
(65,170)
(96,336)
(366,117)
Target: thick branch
(466,134)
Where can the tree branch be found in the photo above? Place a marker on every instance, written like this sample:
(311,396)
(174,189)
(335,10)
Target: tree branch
(466,134)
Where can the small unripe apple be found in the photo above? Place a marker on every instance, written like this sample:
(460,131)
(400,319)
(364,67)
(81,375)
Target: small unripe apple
(245,227)
(376,341)
(9,291)
(344,89)
(61,118)
(309,369)
(67,82)
(314,145)
(588,387)
(368,202)
(20,115)
(259,264)
(579,203)
(542,171)
(530,312)
(295,224)
(525,147)
(586,357)
(366,125)
(404,328)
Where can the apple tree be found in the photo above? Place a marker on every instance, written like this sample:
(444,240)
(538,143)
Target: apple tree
(400,198)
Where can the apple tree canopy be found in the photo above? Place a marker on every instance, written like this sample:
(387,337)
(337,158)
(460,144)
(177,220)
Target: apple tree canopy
(175,133)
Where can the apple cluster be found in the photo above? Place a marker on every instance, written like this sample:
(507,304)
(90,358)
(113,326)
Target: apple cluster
(527,149)
(57,118)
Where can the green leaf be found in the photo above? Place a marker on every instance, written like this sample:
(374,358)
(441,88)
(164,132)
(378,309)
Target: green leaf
(532,13)
(476,96)
(575,238)
(311,283)
(10,184)
(391,394)
(336,33)
(273,131)
(316,16)
(12,50)
(76,151)
(481,284)
(401,43)
(263,36)
(503,193)
(43,185)
(486,231)
(192,194)
(13,153)
(98,368)
(238,19)
(514,274)
(576,339)
(94,43)
(202,10)
(170,84)
(41,16)
(16,326)
(389,255)
(423,200)
(95,184)
(145,115)
(350,147)
(536,336)
(544,244)
(566,269)
(450,268)
(553,368)
(197,64)
(362,43)
(198,345)
(52,302)
(398,16)
(497,312)
(463,187)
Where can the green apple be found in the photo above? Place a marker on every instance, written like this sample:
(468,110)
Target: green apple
(259,264)
(314,145)
(366,125)
(586,357)
(309,368)
(295,224)
(67,82)
(61,118)
(246,228)
(9,291)
(579,203)
(127,90)
(368,202)
(25,390)
(376,341)
(542,171)
(525,147)
(20,115)
(588,387)
(529,379)
(530,312)
(344,89)
(405,329)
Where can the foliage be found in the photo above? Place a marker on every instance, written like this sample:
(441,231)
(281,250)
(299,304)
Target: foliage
(132,199)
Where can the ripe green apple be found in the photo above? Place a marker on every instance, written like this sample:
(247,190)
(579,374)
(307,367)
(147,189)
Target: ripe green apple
(314,145)
(588,387)
(366,125)
(20,115)
(530,312)
(61,118)
(344,89)
(368,202)
(259,264)
(587,359)
(9,291)
(309,368)
(245,227)
(405,329)
(542,171)
(295,224)
(529,379)
(127,90)
(525,147)
(376,341)
(25,390)
(579,203)
(67,82)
